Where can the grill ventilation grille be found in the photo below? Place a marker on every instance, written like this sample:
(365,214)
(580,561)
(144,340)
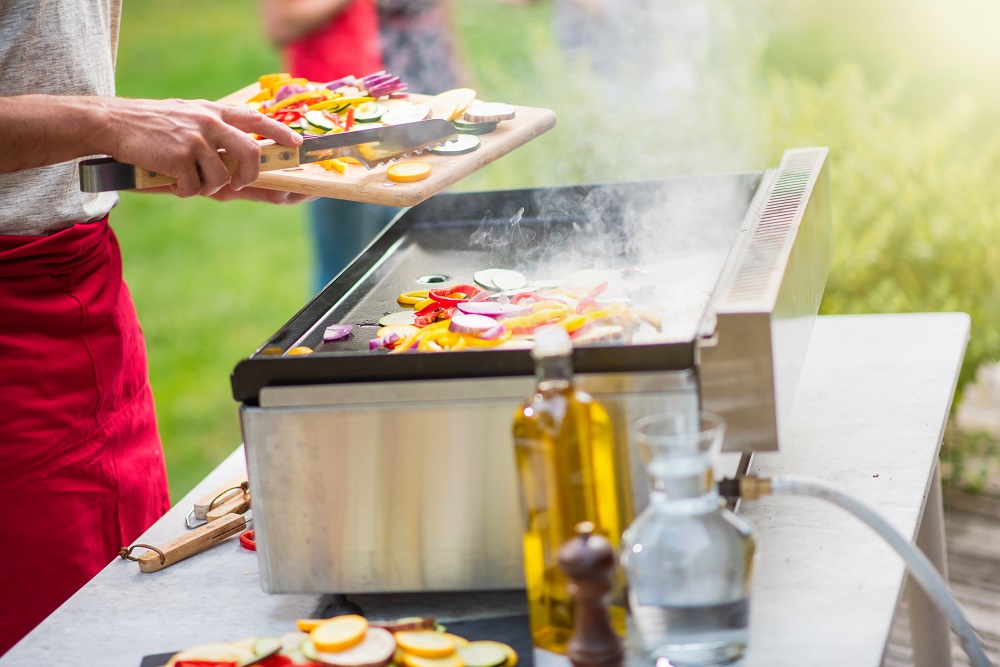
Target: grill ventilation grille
(775,227)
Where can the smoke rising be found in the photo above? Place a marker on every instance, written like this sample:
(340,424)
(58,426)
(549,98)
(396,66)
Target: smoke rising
(646,92)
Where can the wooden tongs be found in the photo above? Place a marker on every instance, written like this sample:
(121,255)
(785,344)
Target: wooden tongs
(225,511)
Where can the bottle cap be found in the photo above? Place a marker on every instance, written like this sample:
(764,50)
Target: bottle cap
(551,341)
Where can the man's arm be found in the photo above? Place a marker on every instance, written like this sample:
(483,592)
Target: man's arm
(180,138)
(288,20)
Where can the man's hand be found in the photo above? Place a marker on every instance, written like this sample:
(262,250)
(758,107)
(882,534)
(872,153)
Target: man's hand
(182,139)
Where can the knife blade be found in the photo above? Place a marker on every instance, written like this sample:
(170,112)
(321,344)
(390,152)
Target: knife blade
(371,147)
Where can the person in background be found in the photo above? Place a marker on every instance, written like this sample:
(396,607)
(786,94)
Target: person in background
(324,40)
(418,44)
(81,463)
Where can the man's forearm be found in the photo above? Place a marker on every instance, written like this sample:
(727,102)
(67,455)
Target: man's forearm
(178,138)
(288,20)
(39,130)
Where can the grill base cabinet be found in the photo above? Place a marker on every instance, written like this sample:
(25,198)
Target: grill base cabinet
(393,473)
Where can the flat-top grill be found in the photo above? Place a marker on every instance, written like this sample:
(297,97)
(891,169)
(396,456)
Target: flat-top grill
(418,445)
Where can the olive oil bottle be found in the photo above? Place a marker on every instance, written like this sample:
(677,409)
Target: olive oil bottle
(569,470)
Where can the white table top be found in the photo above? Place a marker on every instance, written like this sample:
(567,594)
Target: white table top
(869,416)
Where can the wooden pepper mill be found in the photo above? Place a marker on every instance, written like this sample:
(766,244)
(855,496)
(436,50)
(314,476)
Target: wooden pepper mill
(589,562)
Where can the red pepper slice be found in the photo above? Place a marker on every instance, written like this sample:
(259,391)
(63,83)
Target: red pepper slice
(435,311)
(590,301)
(332,117)
(428,316)
(427,310)
(349,120)
(280,661)
(517,298)
(443,295)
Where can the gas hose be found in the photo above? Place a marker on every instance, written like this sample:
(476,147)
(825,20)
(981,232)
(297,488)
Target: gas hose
(751,487)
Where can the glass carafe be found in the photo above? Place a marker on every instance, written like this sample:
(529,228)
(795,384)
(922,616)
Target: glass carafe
(687,558)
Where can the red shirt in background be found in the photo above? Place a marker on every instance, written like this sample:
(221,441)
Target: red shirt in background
(347,44)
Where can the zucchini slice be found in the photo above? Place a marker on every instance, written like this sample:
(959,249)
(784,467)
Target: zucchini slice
(482,654)
(369,112)
(465,127)
(463,143)
(318,120)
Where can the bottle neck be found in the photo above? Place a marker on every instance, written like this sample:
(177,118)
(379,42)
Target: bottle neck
(554,371)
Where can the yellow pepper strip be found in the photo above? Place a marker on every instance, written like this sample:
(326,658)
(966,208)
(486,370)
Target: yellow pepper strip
(264,94)
(650,318)
(550,315)
(333,106)
(429,337)
(333,164)
(268,80)
(519,322)
(406,343)
(420,305)
(541,313)
(340,101)
(474,341)
(409,298)
(412,339)
(574,322)
(454,341)
(295,99)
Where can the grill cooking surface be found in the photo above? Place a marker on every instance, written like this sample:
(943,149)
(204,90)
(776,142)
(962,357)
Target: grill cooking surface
(664,243)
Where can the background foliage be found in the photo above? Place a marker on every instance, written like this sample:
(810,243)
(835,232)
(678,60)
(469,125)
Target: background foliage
(902,93)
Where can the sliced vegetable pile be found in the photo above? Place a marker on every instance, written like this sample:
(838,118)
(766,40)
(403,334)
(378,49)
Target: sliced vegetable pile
(503,309)
(314,109)
(353,641)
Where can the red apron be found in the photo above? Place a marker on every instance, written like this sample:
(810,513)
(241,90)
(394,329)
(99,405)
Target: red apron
(81,465)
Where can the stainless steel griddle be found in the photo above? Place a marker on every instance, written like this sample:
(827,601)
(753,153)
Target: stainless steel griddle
(395,472)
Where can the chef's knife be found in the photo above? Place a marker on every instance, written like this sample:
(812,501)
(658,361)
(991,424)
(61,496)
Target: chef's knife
(370,147)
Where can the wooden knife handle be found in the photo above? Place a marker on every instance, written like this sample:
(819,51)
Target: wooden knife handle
(272,157)
(191,543)
(105,174)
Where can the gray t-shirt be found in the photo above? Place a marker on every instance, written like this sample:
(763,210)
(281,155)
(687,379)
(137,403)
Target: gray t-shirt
(58,47)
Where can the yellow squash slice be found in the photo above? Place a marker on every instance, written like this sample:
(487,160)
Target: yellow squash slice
(425,643)
(339,633)
(408,172)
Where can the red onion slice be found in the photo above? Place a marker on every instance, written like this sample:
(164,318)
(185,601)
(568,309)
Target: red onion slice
(482,295)
(337,331)
(288,90)
(348,80)
(472,324)
(384,341)
(493,333)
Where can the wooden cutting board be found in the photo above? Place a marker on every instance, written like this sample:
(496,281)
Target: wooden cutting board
(374,187)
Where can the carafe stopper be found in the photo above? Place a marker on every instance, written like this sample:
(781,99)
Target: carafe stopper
(589,562)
